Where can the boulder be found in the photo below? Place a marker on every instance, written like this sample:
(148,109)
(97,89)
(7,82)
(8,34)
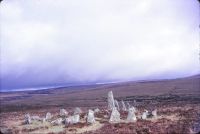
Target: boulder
(123,106)
(111,103)
(90,117)
(57,121)
(131,115)
(63,112)
(115,115)
(27,119)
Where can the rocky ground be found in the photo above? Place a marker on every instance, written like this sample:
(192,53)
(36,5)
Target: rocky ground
(171,119)
(177,102)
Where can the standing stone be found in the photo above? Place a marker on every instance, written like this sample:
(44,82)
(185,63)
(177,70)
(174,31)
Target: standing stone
(57,121)
(131,115)
(72,119)
(48,116)
(154,113)
(43,120)
(111,103)
(144,115)
(123,106)
(134,109)
(90,117)
(63,112)
(96,110)
(115,115)
(117,105)
(76,118)
(77,110)
(27,119)
(128,104)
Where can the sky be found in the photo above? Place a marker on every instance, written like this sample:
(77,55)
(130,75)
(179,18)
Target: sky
(64,42)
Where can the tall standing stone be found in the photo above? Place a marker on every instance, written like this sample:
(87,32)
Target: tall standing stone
(123,106)
(111,103)
(115,115)
(117,105)
(131,115)
(90,117)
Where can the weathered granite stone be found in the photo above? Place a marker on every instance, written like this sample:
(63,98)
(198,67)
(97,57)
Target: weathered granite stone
(72,119)
(145,114)
(27,119)
(90,117)
(154,113)
(123,106)
(96,110)
(57,121)
(111,103)
(128,104)
(43,120)
(131,115)
(117,105)
(48,116)
(63,112)
(115,115)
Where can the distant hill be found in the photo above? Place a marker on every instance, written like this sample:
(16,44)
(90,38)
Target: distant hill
(91,95)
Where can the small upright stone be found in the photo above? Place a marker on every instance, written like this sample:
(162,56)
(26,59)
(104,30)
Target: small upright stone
(63,113)
(27,119)
(57,121)
(43,120)
(115,115)
(77,110)
(154,113)
(144,115)
(48,116)
(111,103)
(117,105)
(131,115)
(72,119)
(90,117)
(123,106)
(96,110)
(76,118)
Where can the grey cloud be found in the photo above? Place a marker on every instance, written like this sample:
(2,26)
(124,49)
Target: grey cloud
(75,42)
